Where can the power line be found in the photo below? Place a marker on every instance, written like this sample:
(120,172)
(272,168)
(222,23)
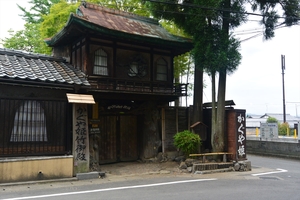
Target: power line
(212,8)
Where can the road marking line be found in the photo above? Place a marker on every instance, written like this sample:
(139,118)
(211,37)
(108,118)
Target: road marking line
(110,189)
(273,172)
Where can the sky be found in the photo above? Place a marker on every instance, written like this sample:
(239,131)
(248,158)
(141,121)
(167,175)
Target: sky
(257,84)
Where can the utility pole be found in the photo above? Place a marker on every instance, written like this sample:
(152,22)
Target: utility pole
(283,68)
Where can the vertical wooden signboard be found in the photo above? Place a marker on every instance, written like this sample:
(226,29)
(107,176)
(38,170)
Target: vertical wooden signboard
(236,130)
(241,135)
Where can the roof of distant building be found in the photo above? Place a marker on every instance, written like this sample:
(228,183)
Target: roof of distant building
(255,120)
(279,117)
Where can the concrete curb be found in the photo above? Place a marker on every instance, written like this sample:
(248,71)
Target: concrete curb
(90,175)
(79,176)
(38,182)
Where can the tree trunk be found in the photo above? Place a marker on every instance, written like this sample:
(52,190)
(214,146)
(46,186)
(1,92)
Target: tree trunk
(213,109)
(218,138)
(198,94)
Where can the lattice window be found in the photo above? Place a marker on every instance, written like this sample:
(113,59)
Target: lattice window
(137,67)
(100,64)
(29,123)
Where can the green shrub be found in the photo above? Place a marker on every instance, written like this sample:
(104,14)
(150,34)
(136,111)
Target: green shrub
(187,142)
(282,128)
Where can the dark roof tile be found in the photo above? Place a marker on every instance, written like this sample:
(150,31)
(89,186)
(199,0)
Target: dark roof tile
(23,65)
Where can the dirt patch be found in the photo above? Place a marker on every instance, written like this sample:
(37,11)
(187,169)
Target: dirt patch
(135,168)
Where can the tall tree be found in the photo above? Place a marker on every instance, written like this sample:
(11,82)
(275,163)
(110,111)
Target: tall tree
(215,50)
(38,8)
(29,39)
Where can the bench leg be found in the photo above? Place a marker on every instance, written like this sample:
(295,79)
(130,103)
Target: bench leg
(203,159)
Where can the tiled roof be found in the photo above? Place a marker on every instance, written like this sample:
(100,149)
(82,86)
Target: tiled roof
(36,67)
(99,21)
(124,22)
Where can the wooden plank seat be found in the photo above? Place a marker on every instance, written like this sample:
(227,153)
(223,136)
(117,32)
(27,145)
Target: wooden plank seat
(211,154)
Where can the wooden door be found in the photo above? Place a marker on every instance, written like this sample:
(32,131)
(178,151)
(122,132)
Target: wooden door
(128,138)
(107,141)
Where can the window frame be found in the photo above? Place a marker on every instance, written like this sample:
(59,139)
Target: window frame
(158,66)
(100,64)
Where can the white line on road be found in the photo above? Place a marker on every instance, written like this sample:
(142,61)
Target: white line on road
(273,172)
(110,189)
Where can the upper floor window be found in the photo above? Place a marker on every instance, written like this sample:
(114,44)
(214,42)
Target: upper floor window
(137,67)
(100,64)
(161,70)
(29,123)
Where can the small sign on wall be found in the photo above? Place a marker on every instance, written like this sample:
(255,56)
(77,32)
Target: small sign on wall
(268,131)
(95,131)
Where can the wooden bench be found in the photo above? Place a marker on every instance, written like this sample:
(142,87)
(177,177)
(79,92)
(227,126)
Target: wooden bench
(212,154)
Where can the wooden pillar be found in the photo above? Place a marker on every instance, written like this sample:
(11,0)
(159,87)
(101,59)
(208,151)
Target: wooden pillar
(163,128)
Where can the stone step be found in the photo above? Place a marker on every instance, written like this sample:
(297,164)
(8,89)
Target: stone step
(211,166)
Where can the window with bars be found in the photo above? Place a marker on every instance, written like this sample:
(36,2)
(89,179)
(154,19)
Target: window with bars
(29,123)
(100,63)
(161,70)
(35,127)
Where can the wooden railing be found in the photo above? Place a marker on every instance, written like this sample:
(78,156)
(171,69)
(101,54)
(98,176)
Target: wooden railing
(137,86)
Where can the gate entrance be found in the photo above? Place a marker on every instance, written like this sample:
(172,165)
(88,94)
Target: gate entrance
(118,138)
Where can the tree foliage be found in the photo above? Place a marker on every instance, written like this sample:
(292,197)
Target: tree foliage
(26,40)
(270,11)
(57,18)
(39,8)
(30,38)
(272,120)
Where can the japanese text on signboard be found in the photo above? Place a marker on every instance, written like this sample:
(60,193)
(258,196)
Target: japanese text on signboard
(80,134)
(241,134)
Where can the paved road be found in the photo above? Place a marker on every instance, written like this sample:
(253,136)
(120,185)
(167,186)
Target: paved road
(271,179)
